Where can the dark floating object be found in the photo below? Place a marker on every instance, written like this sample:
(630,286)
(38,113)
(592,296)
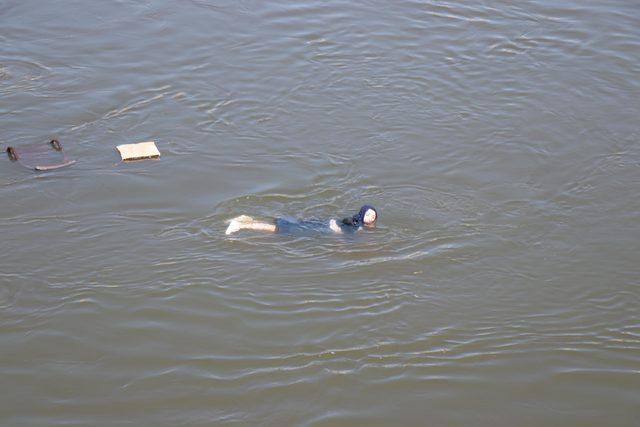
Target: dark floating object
(40,157)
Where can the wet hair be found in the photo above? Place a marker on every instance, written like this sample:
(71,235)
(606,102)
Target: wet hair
(358,219)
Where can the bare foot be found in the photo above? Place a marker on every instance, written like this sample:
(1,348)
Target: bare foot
(236,223)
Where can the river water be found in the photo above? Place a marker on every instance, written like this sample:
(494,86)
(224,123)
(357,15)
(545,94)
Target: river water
(498,140)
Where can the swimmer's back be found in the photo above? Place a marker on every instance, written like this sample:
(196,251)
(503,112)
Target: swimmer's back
(312,226)
(307,226)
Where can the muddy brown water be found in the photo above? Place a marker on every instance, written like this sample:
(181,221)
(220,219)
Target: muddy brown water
(499,141)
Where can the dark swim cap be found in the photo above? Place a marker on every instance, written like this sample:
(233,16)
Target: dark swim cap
(358,219)
(363,210)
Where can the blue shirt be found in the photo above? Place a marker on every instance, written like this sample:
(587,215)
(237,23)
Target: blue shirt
(310,226)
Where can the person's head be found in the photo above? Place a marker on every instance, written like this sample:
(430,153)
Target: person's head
(368,216)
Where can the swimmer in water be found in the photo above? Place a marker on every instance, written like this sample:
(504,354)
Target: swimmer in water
(366,217)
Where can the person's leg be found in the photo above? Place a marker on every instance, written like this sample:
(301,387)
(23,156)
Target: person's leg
(245,222)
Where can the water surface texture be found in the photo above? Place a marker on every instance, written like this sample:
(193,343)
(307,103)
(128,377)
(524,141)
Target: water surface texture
(499,141)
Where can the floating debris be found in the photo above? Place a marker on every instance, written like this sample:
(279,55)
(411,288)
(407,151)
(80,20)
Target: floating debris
(139,151)
(40,157)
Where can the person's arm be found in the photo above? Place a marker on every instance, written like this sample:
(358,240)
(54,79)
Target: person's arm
(333,225)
